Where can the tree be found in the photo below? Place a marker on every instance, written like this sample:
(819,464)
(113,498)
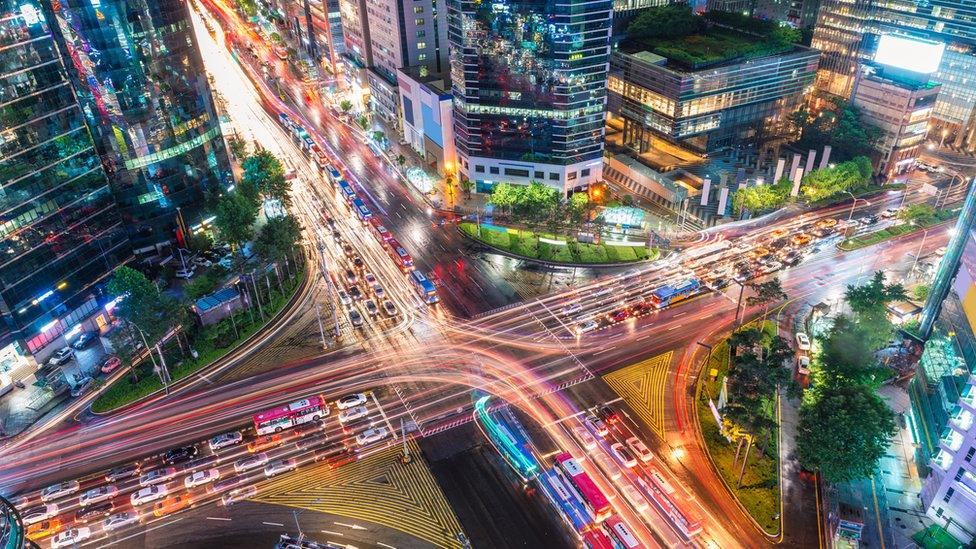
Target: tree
(278,238)
(917,213)
(238,147)
(840,127)
(843,177)
(401,160)
(665,22)
(466,185)
(264,176)
(577,209)
(766,293)
(199,287)
(363,122)
(378,136)
(847,355)
(142,304)
(345,105)
(844,432)
(505,196)
(235,216)
(869,301)
(921,292)
(199,242)
(761,198)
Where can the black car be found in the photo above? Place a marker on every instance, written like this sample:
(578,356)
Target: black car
(358,262)
(180,455)
(331,222)
(95,511)
(870,220)
(778,243)
(608,414)
(123,472)
(355,293)
(84,340)
(718,283)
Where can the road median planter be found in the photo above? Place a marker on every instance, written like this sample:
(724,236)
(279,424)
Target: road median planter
(551,250)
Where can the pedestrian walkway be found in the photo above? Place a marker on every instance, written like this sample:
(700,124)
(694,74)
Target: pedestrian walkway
(380,489)
(642,386)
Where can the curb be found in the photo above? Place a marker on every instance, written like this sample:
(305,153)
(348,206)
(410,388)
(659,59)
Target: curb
(550,263)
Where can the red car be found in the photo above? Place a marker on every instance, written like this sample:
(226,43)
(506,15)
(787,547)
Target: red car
(110,364)
(642,307)
(618,315)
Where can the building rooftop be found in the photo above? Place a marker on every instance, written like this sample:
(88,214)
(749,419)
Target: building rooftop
(439,82)
(215,299)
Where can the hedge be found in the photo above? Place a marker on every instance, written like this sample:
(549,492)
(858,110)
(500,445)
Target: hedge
(527,244)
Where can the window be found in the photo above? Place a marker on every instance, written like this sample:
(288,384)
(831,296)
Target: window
(570,176)
(516,173)
(421,45)
(421,33)
(584,172)
(959,474)
(421,57)
(553,176)
(493,169)
(418,9)
(419,22)
(948,495)
(970,454)
(938,512)
(479,169)
(539,175)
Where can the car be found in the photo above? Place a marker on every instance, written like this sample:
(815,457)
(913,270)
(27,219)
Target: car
(122,472)
(358,263)
(329,220)
(941,251)
(71,538)
(623,455)
(187,273)
(157,476)
(587,326)
(766,259)
(778,243)
(571,309)
(351,401)
(39,513)
(743,275)
(611,469)
(618,315)
(98,494)
(84,340)
(251,462)
(148,494)
(389,308)
(889,213)
(826,223)
(598,426)
(83,386)
(224,484)
(350,414)
(238,495)
(280,466)
(635,498)
(779,233)
(771,267)
(756,253)
(355,293)
(584,436)
(204,462)
(801,239)
(226,262)
(172,504)
(110,364)
(266,442)
(378,291)
(312,441)
(371,307)
(372,435)
(202,262)
(355,318)
(641,307)
(608,414)
(606,290)
(869,220)
(44,528)
(224,440)
(96,511)
(351,277)
(120,520)
(639,449)
(792,258)
(802,341)
(61,356)
(344,298)
(803,365)
(200,478)
(370,279)
(59,490)
(336,235)
(717,284)
(180,455)
(348,250)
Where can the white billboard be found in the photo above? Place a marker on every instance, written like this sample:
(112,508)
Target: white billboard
(909,54)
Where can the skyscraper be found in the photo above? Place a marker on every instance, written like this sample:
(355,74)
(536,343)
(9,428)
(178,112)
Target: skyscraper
(61,230)
(140,78)
(530,84)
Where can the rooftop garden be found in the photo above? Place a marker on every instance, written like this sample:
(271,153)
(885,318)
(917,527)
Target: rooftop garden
(692,41)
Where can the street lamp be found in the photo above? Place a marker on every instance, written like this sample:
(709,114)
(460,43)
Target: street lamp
(853,204)
(952,182)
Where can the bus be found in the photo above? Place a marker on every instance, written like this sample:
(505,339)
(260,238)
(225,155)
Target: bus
(399,255)
(596,539)
(362,212)
(302,411)
(347,191)
(573,510)
(672,293)
(694,255)
(425,288)
(686,523)
(379,231)
(622,534)
(285,120)
(308,143)
(588,491)
(319,157)
(334,174)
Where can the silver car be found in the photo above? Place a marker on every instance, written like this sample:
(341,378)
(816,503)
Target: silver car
(120,520)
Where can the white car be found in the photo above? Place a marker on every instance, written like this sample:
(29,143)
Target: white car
(148,494)
(59,490)
(83,386)
(96,495)
(202,262)
(39,513)
(351,401)
(350,414)
(771,267)
(889,213)
(344,298)
(187,273)
(639,449)
(587,326)
(157,476)
(240,494)
(606,290)
(224,440)
(70,538)
(280,466)
(611,469)
(120,520)
(378,291)
(61,356)
(202,477)
(252,462)
(802,341)
(623,455)
(598,426)
(572,309)
(635,498)
(584,436)
(371,435)
(355,318)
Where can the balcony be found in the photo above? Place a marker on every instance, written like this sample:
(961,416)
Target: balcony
(967,397)
(951,440)
(961,419)
(942,460)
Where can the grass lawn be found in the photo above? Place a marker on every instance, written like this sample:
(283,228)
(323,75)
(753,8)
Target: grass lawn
(936,537)
(124,392)
(527,244)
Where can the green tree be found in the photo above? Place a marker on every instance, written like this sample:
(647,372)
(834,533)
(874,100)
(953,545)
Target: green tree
(345,105)
(917,213)
(670,21)
(869,301)
(505,196)
(921,292)
(766,293)
(199,242)
(847,355)
(278,238)
(265,175)
(761,198)
(401,160)
(378,136)
(466,185)
(142,304)
(844,432)
(363,122)
(238,147)
(841,127)
(235,216)
(199,287)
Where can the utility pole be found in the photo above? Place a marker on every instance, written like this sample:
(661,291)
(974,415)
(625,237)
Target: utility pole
(406,457)
(738,306)
(318,316)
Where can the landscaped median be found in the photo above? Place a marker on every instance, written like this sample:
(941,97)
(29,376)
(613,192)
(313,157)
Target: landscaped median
(893,231)
(759,492)
(211,343)
(550,249)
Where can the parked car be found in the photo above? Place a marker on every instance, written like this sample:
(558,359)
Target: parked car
(224,440)
(187,273)
(180,455)
(802,341)
(61,356)
(378,291)
(355,293)
(120,520)
(351,277)
(84,340)
(201,261)
(110,364)
(83,386)
(71,538)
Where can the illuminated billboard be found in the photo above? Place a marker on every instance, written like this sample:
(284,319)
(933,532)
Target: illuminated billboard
(909,54)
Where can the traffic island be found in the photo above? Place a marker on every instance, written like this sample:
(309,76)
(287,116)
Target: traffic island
(211,343)
(552,250)
(876,237)
(759,490)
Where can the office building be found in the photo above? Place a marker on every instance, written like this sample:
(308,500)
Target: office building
(427,117)
(710,106)
(315,26)
(62,231)
(849,33)
(799,13)
(139,76)
(529,81)
(355,33)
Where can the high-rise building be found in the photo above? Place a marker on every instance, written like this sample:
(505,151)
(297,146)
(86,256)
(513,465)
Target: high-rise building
(316,27)
(62,233)
(355,32)
(849,32)
(140,78)
(530,87)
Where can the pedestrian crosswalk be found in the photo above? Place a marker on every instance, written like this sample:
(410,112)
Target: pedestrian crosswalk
(380,489)
(642,386)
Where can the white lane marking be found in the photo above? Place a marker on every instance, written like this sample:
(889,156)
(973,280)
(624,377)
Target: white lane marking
(219,518)
(603,350)
(385,545)
(273,523)
(331,533)
(675,327)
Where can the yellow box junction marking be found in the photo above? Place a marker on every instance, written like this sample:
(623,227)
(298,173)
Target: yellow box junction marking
(642,386)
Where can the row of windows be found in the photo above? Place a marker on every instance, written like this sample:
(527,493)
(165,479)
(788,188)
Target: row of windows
(585,172)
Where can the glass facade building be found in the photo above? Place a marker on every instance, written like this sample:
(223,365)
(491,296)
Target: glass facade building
(62,230)
(140,78)
(530,82)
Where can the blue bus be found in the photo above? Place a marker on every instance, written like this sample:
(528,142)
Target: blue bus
(568,503)
(284,120)
(361,210)
(424,287)
(334,174)
(668,294)
(347,191)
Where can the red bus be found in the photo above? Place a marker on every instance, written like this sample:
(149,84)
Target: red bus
(379,231)
(277,419)
(622,533)
(584,485)
(596,539)
(400,255)
(318,157)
